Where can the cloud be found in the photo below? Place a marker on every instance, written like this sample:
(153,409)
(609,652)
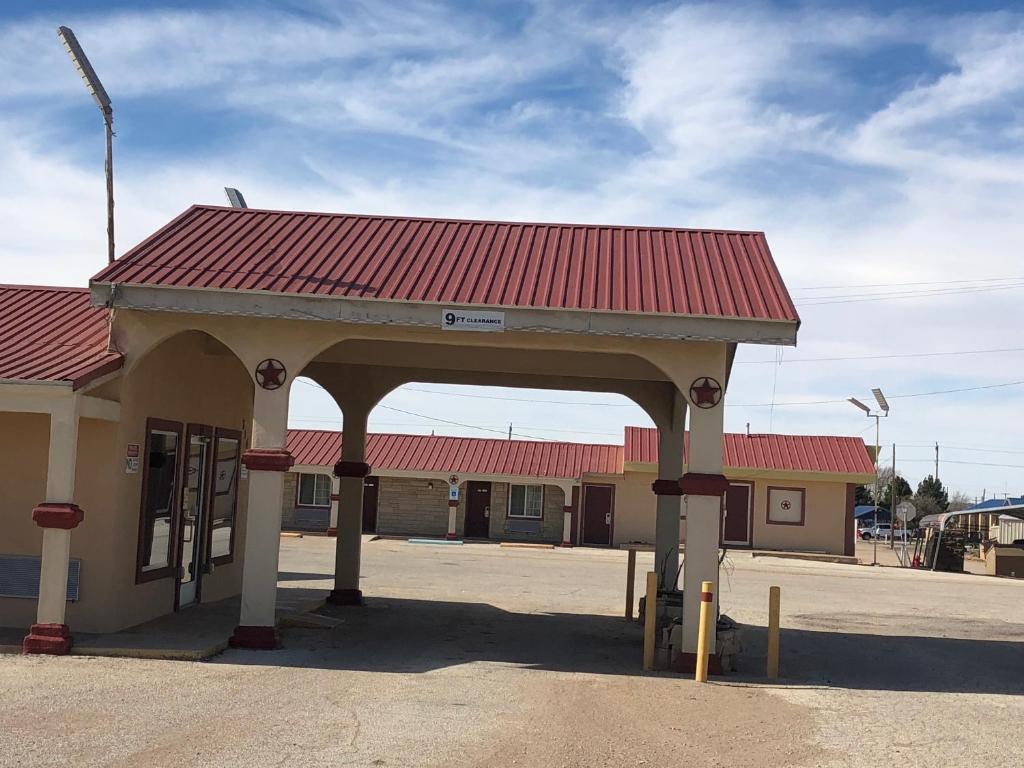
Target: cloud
(871,147)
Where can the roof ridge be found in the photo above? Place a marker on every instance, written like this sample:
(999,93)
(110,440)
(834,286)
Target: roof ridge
(463,437)
(514,222)
(62,288)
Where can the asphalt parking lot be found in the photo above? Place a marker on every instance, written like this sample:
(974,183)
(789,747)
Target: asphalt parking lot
(487,656)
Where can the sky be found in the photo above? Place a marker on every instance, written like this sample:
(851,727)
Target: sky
(879,146)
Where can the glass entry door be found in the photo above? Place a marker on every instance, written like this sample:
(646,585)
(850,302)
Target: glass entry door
(193,515)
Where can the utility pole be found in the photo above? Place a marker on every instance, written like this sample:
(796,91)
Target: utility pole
(936,459)
(892,501)
(509,431)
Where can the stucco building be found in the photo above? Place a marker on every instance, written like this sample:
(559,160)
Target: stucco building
(786,492)
(144,420)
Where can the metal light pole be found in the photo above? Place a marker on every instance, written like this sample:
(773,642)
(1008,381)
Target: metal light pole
(883,406)
(95,87)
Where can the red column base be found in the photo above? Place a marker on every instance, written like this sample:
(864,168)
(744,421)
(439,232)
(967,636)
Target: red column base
(450,537)
(54,639)
(345,597)
(255,638)
(566,544)
(687,662)
(332,531)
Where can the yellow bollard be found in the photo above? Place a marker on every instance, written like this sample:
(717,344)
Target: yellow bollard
(630,576)
(650,620)
(774,599)
(707,619)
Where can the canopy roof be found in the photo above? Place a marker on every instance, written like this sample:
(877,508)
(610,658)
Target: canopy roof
(53,335)
(567,267)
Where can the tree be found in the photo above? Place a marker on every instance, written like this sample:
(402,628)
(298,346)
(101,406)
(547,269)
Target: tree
(885,485)
(931,497)
(960,500)
(862,496)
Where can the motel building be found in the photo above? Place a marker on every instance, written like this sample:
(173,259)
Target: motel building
(785,492)
(145,448)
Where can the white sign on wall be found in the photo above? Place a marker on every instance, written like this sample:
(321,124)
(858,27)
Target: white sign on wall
(472,320)
(786,505)
(453,493)
(132,458)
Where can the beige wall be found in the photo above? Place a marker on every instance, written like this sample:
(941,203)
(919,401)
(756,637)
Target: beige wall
(23,455)
(409,506)
(24,458)
(824,514)
(189,379)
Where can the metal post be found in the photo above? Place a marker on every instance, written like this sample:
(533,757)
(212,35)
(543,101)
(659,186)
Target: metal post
(630,575)
(892,502)
(874,539)
(706,628)
(108,167)
(774,600)
(650,619)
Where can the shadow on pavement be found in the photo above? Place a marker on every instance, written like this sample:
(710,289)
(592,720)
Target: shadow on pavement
(403,635)
(888,662)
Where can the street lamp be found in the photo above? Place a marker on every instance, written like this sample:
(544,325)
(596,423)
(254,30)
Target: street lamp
(883,410)
(99,93)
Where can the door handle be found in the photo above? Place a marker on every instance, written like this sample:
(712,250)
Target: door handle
(607,518)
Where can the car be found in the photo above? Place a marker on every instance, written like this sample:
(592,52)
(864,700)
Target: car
(884,532)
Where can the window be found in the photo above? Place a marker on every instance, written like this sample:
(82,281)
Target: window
(786,506)
(526,501)
(159,496)
(225,495)
(314,490)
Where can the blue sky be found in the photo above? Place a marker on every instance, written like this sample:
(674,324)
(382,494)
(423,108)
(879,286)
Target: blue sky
(880,147)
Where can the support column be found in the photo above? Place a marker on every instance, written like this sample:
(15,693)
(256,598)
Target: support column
(453,516)
(332,526)
(267,461)
(57,516)
(704,486)
(668,492)
(351,470)
(567,525)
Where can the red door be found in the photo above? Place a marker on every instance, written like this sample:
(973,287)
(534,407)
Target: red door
(598,501)
(370,488)
(736,526)
(478,510)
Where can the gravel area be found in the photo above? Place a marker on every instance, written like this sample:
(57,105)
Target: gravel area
(487,656)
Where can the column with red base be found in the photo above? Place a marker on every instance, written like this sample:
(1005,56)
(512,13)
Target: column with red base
(348,549)
(50,634)
(267,461)
(57,516)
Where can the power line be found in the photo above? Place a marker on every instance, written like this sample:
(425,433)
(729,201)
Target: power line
(518,399)
(440,421)
(858,298)
(891,397)
(969,463)
(882,357)
(913,282)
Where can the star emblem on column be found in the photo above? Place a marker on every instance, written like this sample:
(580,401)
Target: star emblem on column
(271,373)
(705,392)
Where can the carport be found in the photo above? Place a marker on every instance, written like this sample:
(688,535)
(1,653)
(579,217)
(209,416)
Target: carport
(364,304)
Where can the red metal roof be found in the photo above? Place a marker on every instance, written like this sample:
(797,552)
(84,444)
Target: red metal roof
(795,453)
(484,263)
(53,334)
(466,455)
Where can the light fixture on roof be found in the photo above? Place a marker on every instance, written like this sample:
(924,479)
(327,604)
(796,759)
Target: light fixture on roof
(99,93)
(235,199)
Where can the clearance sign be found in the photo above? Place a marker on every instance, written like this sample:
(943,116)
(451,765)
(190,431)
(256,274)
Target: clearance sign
(469,320)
